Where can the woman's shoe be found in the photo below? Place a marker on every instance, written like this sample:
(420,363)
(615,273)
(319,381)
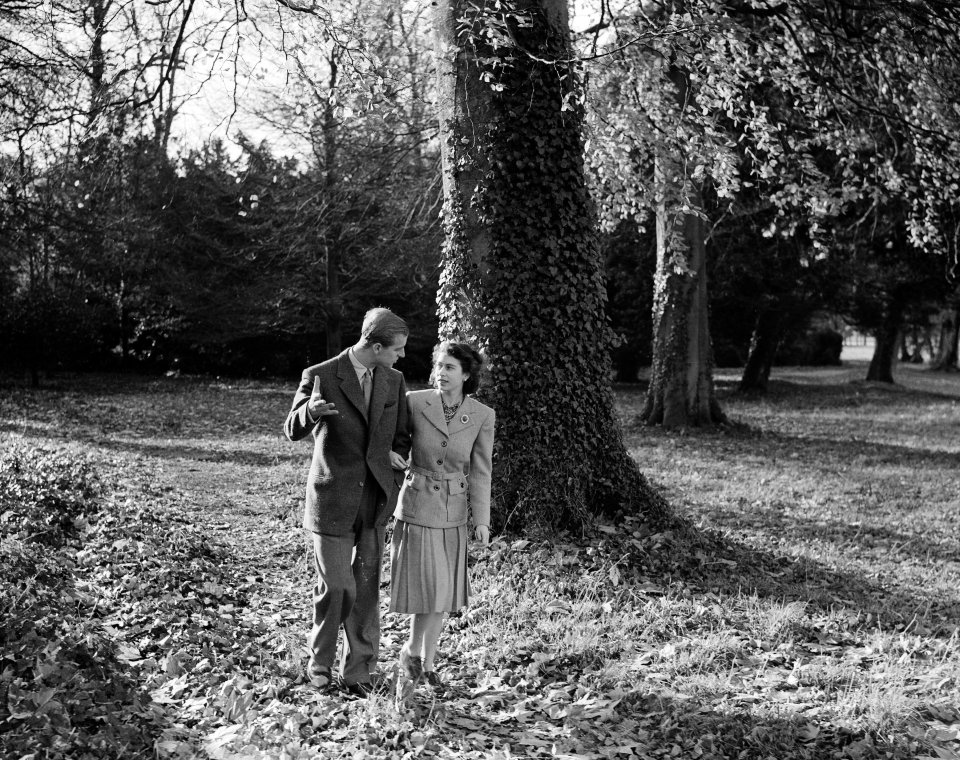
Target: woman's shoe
(433,680)
(411,665)
(410,672)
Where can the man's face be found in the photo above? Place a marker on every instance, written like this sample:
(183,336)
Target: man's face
(386,356)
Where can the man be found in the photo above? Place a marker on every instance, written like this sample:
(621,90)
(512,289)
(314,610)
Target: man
(355,407)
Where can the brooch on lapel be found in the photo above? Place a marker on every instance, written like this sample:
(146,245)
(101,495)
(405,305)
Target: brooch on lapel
(464,419)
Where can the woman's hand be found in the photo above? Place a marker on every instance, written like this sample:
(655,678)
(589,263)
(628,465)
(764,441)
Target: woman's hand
(482,533)
(397,462)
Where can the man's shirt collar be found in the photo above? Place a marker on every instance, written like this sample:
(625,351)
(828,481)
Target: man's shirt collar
(358,366)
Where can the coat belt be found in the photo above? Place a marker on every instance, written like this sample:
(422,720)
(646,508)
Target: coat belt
(437,474)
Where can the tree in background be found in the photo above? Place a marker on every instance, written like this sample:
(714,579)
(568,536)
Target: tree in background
(680,129)
(72,118)
(629,261)
(217,261)
(894,276)
(790,99)
(945,358)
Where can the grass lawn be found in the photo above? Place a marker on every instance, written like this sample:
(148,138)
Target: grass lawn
(806,606)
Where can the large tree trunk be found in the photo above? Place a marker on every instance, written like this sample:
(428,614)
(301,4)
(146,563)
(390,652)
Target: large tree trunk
(887,340)
(522,272)
(946,358)
(681,392)
(763,349)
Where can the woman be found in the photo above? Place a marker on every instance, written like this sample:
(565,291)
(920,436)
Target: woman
(450,466)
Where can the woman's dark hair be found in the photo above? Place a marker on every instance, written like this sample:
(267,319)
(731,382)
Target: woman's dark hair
(469,358)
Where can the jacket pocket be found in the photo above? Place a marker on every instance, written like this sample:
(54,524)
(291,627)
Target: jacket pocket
(457,500)
(409,495)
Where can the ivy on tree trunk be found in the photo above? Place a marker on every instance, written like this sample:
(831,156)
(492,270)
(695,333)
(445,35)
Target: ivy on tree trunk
(522,272)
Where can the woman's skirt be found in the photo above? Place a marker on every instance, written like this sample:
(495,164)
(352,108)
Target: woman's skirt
(428,569)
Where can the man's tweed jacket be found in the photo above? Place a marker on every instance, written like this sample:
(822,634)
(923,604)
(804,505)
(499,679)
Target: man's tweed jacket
(348,448)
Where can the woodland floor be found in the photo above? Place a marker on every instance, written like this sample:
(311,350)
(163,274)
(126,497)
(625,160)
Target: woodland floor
(806,607)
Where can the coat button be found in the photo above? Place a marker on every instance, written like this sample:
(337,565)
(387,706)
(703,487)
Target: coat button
(439,461)
(360,484)
(443,444)
(436,488)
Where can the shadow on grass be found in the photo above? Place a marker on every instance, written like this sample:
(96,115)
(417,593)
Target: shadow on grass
(173,450)
(829,457)
(648,717)
(854,394)
(176,451)
(863,537)
(726,566)
(736,729)
(870,452)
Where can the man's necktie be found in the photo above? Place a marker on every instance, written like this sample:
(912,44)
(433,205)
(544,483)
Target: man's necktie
(366,385)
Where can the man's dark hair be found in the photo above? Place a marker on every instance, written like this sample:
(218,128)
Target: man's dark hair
(382,326)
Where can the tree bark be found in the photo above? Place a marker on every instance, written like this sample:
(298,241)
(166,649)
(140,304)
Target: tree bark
(946,358)
(681,392)
(522,271)
(887,340)
(763,349)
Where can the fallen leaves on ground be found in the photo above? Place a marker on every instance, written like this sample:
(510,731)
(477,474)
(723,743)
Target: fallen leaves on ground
(635,641)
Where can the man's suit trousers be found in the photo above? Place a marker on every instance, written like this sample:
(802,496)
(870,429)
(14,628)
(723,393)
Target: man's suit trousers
(347,593)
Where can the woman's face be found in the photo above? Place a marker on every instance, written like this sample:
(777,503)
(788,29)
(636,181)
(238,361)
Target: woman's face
(448,375)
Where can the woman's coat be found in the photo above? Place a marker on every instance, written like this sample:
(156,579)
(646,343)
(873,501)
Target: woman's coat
(451,463)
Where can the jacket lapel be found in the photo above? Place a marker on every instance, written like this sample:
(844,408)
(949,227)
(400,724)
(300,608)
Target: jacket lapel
(433,411)
(349,383)
(466,410)
(378,397)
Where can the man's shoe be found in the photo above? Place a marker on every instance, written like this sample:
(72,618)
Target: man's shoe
(361,689)
(319,675)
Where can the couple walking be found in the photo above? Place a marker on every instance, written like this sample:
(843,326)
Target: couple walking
(423,456)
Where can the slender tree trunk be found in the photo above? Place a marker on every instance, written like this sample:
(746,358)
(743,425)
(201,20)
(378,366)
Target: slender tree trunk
(887,339)
(522,270)
(681,392)
(763,349)
(122,324)
(334,310)
(946,357)
(166,111)
(331,231)
(904,348)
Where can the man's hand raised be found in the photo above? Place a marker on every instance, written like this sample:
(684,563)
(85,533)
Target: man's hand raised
(316,406)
